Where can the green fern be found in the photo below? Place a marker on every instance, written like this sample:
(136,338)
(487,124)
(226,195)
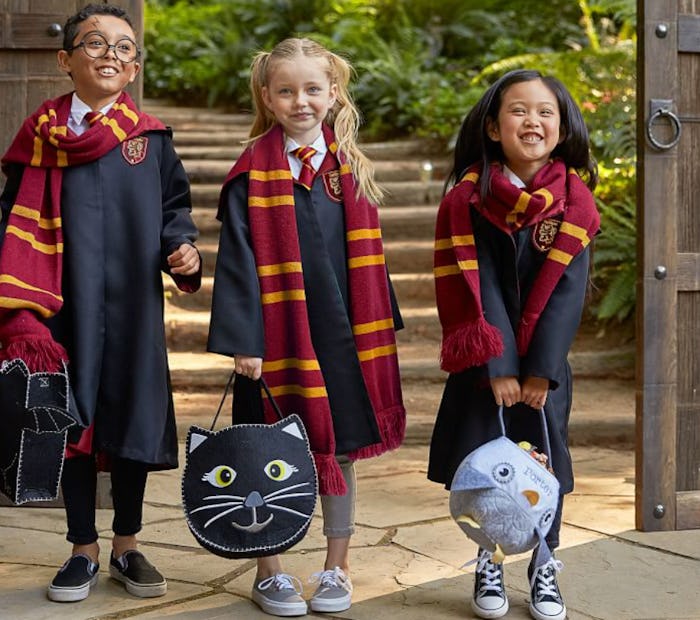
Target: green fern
(615,260)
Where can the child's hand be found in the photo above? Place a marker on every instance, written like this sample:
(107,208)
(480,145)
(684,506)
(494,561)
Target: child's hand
(250,367)
(534,391)
(184,260)
(506,390)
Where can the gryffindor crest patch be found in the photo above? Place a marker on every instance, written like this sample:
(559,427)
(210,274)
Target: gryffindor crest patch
(544,233)
(134,150)
(331,183)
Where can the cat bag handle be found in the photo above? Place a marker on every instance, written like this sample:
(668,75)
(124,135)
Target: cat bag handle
(229,383)
(545,432)
(249,490)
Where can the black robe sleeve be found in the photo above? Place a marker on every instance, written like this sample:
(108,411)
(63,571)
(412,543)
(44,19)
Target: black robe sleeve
(178,227)
(236,326)
(492,247)
(557,326)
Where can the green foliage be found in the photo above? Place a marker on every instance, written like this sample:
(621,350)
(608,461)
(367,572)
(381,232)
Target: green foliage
(421,65)
(193,52)
(615,247)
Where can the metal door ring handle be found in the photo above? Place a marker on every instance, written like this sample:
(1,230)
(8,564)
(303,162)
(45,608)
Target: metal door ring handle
(675,122)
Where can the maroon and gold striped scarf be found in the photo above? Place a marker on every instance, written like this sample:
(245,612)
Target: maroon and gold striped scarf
(291,368)
(468,339)
(31,257)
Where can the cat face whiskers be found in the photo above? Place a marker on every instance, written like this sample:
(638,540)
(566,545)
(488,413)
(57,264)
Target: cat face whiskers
(238,502)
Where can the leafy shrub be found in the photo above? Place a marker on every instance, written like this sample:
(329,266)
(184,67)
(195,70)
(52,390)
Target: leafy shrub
(421,65)
(614,254)
(194,53)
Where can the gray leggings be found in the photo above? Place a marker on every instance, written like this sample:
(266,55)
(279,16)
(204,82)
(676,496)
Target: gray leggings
(339,510)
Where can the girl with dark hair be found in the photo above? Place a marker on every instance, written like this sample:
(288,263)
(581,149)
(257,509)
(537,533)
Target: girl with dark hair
(511,272)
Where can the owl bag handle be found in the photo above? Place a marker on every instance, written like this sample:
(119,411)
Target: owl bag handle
(547,449)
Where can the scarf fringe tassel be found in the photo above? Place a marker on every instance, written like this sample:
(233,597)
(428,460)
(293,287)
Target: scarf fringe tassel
(39,354)
(330,476)
(392,427)
(470,344)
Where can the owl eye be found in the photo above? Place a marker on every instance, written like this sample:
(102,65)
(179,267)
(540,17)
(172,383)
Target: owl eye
(221,476)
(546,518)
(503,472)
(279,470)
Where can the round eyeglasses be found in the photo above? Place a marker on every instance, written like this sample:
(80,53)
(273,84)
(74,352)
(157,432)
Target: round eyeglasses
(96,46)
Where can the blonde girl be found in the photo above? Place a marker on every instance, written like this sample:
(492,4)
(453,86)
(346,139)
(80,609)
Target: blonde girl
(302,295)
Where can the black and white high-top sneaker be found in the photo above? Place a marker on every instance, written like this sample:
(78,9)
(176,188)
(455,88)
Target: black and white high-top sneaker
(490,599)
(545,599)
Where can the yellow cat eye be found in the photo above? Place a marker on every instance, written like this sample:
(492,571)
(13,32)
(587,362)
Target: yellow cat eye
(279,470)
(221,476)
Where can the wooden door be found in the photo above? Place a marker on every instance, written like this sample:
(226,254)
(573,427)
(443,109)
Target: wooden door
(668,325)
(31,32)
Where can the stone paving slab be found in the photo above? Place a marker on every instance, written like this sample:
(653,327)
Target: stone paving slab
(406,561)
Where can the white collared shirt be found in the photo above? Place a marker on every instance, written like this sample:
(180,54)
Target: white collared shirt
(295,164)
(512,177)
(78,109)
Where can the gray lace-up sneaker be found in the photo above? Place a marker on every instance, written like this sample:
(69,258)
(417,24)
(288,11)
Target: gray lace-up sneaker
(279,595)
(334,592)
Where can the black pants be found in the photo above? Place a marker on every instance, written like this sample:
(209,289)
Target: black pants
(79,485)
(552,537)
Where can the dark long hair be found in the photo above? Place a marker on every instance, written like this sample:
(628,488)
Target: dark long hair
(474,145)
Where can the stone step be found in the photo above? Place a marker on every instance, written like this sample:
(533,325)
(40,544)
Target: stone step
(412,290)
(401,256)
(208,171)
(187,330)
(203,372)
(376,151)
(398,193)
(416,222)
(182,117)
(218,136)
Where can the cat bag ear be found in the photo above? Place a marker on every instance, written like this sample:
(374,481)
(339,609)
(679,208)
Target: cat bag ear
(195,438)
(293,429)
(292,425)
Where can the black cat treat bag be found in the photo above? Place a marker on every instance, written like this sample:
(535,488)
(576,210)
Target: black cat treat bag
(249,490)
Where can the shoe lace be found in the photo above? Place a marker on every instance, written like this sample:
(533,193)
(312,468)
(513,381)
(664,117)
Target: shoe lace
(544,580)
(281,581)
(331,578)
(490,575)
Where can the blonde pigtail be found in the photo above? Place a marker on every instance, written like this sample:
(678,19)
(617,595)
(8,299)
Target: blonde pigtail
(345,120)
(263,118)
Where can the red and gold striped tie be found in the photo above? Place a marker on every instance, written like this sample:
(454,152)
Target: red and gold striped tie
(92,117)
(307,174)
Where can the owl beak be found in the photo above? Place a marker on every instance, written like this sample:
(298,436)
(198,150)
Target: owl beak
(498,555)
(468,520)
(532,497)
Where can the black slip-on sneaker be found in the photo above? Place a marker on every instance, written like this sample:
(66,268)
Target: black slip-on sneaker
(74,579)
(137,574)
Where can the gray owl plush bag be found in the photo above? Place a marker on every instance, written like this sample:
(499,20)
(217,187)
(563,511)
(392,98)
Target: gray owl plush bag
(249,490)
(504,499)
